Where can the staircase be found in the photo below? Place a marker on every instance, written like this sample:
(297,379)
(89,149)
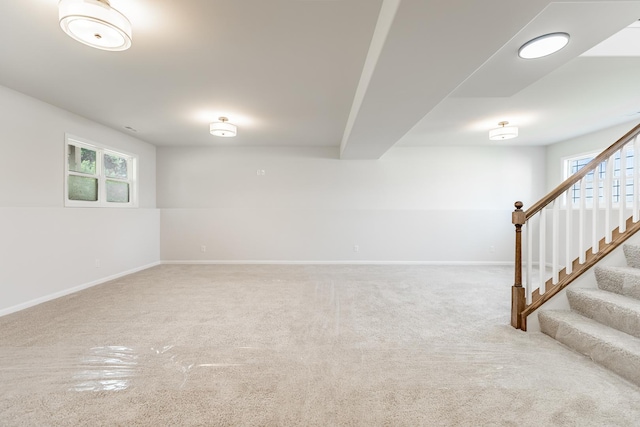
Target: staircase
(604,323)
(577,224)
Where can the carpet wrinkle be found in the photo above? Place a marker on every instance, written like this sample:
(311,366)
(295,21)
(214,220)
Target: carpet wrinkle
(231,345)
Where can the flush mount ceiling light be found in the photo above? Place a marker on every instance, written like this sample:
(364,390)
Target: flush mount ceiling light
(543,45)
(95,23)
(223,128)
(503,132)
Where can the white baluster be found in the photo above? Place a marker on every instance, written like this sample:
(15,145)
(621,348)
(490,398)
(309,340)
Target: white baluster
(596,205)
(529,237)
(583,208)
(555,240)
(636,178)
(542,241)
(607,193)
(622,202)
(569,234)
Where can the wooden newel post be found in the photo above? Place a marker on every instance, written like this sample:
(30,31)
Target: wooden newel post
(518,301)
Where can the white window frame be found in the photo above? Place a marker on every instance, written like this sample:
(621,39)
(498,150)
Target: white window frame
(101,150)
(566,171)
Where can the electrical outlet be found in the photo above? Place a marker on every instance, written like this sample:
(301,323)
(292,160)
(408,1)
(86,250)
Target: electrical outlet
(203,248)
(492,249)
(356,248)
(261,172)
(97,263)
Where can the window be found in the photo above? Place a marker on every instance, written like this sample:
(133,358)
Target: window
(98,176)
(573,165)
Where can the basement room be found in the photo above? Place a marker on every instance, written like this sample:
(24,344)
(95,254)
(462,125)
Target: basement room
(319,213)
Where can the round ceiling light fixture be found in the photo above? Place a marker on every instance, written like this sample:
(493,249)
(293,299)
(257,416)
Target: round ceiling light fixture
(503,132)
(95,23)
(223,128)
(543,45)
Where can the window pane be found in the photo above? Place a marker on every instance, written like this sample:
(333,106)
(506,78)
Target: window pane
(83,188)
(82,160)
(117,192)
(115,166)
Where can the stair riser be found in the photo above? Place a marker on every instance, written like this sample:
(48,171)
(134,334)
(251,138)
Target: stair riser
(618,282)
(609,314)
(632,255)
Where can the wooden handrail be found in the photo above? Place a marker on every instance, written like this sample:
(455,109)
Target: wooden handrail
(573,179)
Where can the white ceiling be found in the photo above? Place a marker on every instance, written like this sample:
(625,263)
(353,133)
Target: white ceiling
(363,75)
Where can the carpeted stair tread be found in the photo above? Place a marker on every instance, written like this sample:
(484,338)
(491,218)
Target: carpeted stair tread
(615,350)
(614,310)
(620,280)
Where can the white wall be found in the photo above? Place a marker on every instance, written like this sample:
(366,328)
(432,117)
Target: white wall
(48,250)
(421,204)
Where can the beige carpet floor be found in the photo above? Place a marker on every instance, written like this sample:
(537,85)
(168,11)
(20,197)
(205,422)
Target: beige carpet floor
(297,346)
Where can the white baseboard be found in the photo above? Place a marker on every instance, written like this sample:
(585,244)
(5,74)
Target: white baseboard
(62,293)
(351,262)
